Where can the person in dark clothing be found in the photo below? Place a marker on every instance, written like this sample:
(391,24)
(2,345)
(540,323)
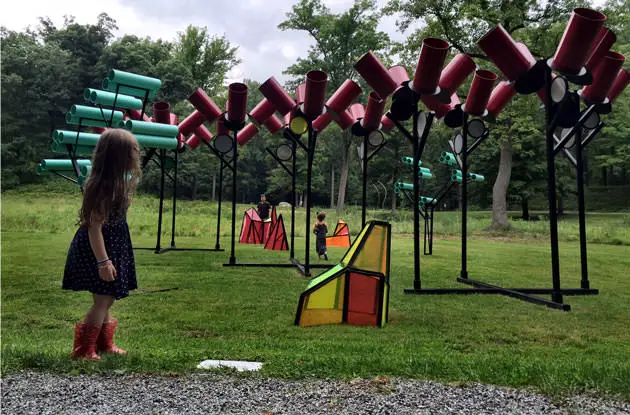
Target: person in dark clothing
(263,207)
(320,229)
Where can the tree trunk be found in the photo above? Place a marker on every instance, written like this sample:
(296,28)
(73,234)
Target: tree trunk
(195,186)
(525,208)
(332,186)
(500,188)
(343,177)
(214,187)
(560,206)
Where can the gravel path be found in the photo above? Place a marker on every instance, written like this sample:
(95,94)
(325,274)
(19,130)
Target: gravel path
(39,393)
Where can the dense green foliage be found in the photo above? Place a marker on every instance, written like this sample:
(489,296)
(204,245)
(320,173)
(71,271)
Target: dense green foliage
(45,70)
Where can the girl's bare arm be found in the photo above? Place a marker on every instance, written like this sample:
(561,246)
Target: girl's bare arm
(97,243)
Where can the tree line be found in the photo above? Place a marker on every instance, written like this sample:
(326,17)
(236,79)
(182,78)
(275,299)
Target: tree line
(44,72)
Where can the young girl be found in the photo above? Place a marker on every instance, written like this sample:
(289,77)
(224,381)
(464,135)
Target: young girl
(100,259)
(319,229)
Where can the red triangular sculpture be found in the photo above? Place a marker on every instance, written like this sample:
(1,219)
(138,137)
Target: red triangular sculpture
(274,215)
(252,230)
(278,237)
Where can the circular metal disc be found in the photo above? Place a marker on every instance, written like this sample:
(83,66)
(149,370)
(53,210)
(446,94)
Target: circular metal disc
(559,87)
(422,121)
(298,125)
(592,121)
(376,138)
(223,143)
(284,152)
(459,143)
(476,128)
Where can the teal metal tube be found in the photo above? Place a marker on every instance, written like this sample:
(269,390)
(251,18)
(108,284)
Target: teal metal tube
(107,98)
(151,128)
(110,86)
(134,80)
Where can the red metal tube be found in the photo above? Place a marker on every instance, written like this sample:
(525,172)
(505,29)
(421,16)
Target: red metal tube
(501,49)
(342,98)
(376,74)
(202,102)
(373,112)
(604,77)
(479,92)
(501,95)
(399,75)
(456,72)
(287,118)
(604,41)
(300,93)
(246,134)
(272,90)
(386,124)
(262,111)
(237,102)
(321,122)
(621,82)
(191,122)
(221,128)
(315,94)
(522,47)
(99,130)
(135,115)
(577,40)
(162,112)
(346,120)
(193,141)
(203,133)
(430,63)
(357,111)
(436,106)
(173,118)
(273,124)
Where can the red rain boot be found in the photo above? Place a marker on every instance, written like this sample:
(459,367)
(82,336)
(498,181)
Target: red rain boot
(85,336)
(105,343)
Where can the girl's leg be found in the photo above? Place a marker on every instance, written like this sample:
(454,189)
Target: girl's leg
(100,309)
(87,333)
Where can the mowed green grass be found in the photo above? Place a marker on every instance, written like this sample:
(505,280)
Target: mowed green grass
(248,313)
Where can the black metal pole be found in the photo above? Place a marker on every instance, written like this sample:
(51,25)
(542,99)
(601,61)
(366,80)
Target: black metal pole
(234,160)
(579,153)
(309,178)
(293,195)
(431,231)
(218,243)
(162,173)
(464,272)
(174,199)
(417,284)
(364,195)
(556,296)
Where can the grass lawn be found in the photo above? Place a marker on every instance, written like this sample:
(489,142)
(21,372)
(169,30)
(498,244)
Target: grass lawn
(247,313)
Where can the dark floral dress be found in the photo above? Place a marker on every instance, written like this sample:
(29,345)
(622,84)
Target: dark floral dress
(81,272)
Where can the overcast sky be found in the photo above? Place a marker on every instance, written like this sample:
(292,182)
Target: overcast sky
(263,48)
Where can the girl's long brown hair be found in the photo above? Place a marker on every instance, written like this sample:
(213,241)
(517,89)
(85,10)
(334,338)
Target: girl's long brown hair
(108,187)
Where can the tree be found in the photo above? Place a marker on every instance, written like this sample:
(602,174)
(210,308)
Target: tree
(339,41)
(462,23)
(36,78)
(208,58)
